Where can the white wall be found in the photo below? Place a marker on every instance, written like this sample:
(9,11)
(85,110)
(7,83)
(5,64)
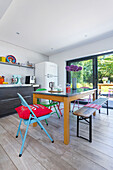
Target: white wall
(22,56)
(86,50)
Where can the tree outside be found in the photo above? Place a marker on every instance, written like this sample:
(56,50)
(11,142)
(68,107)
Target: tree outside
(105,71)
(85,76)
(105,68)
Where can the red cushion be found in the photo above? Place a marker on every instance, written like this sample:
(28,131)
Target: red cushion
(39,110)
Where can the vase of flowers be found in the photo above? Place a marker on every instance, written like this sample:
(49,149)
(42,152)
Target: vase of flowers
(74,83)
(73,68)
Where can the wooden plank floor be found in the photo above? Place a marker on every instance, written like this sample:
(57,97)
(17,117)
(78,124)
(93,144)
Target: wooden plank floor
(39,153)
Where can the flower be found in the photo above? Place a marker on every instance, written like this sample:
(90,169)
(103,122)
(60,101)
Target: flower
(73,68)
(67,68)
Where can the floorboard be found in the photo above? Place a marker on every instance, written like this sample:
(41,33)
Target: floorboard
(39,153)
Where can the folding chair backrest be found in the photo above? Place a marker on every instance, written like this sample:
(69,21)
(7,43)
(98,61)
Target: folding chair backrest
(24,103)
(43,89)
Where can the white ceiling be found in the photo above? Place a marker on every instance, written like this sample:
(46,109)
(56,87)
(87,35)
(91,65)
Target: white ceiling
(50,26)
(4,4)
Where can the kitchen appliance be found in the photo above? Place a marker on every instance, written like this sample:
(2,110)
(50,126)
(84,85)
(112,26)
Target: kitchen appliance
(51,85)
(16,79)
(45,73)
(30,80)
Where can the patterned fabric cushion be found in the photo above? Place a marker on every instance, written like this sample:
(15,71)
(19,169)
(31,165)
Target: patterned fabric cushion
(39,110)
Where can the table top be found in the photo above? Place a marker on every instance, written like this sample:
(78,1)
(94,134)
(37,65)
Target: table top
(14,85)
(64,94)
(105,84)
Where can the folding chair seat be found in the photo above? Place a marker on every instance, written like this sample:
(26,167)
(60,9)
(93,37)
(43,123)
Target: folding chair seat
(30,118)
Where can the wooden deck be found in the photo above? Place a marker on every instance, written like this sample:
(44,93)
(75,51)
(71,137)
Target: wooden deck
(40,154)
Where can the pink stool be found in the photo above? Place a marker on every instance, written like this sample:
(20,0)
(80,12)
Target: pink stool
(110,91)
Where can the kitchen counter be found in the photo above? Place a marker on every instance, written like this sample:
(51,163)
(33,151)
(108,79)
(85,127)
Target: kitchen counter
(19,85)
(36,85)
(9,99)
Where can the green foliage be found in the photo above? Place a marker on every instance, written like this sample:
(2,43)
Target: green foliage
(85,76)
(105,67)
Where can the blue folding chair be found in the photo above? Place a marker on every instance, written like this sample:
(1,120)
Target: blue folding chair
(32,119)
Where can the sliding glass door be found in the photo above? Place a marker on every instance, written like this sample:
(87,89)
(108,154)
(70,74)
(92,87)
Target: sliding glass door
(105,74)
(85,76)
(105,77)
(97,73)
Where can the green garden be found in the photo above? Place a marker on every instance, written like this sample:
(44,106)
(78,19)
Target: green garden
(85,76)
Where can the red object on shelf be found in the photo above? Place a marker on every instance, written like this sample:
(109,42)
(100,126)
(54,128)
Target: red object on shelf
(1,80)
(11,59)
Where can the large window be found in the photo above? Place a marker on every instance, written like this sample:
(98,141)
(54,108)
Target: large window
(85,76)
(105,68)
(105,72)
(96,70)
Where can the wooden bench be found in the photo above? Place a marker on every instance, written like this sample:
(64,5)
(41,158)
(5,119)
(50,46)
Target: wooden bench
(85,113)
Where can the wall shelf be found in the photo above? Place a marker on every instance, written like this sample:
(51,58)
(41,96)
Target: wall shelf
(16,65)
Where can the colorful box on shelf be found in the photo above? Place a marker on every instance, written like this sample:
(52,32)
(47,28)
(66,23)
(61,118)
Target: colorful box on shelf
(2,59)
(1,79)
(5,82)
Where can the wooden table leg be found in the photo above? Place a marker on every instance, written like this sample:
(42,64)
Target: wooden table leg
(94,98)
(69,106)
(34,102)
(66,120)
(99,87)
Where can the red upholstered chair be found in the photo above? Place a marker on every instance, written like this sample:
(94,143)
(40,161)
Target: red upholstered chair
(30,114)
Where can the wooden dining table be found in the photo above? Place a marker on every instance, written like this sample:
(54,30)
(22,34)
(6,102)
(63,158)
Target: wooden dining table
(66,98)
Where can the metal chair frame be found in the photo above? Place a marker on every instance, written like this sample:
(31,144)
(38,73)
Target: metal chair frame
(89,99)
(27,122)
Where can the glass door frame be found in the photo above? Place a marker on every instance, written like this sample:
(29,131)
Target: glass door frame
(95,68)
